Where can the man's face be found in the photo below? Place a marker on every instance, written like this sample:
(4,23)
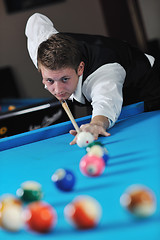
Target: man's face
(61,83)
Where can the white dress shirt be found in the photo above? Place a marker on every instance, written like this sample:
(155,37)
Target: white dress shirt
(103,88)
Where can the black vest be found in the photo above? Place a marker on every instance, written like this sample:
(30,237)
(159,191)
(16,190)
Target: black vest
(99,50)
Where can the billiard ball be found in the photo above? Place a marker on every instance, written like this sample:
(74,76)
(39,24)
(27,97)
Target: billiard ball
(139,200)
(30,191)
(40,216)
(93,144)
(92,166)
(97,149)
(84,212)
(11,107)
(64,179)
(84,138)
(8,199)
(11,213)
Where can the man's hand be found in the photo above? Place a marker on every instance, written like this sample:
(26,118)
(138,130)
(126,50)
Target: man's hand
(97,127)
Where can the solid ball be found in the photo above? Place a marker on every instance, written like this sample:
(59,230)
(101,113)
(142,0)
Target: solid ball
(64,179)
(30,191)
(84,138)
(11,213)
(11,107)
(139,200)
(92,165)
(40,217)
(84,212)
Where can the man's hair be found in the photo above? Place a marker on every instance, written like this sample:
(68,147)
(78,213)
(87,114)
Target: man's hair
(59,51)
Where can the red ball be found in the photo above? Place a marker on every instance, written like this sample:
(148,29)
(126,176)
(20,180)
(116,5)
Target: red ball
(40,216)
(84,212)
(92,165)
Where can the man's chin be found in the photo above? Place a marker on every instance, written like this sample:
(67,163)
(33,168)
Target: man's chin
(62,98)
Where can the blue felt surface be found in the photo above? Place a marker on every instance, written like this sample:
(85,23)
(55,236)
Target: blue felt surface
(134,158)
(62,128)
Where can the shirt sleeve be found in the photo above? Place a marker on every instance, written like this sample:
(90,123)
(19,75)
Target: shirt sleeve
(103,88)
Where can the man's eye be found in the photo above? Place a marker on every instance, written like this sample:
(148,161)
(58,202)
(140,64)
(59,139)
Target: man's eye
(65,79)
(49,80)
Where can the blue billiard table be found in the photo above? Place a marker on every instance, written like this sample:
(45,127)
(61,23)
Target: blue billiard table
(134,158)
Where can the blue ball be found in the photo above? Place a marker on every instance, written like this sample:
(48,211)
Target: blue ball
(64,179)
(105,157)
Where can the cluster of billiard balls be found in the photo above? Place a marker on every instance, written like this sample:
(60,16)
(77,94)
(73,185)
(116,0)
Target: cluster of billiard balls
(28,210)
(83,212)
(94,161)
(16,215)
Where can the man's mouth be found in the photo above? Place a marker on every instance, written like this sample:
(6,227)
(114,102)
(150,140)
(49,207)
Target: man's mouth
(62,96)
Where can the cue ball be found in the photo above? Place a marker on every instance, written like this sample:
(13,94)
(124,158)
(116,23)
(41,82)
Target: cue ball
(139,200)
(92,166)
(64,179)
(84,138)
(40,216)
(84,212)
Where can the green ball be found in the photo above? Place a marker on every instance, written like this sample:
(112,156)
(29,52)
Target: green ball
(30,191)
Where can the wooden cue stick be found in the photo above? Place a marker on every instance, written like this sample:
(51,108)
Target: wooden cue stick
(67,110)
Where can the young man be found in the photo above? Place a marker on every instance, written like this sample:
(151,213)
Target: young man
(105,72)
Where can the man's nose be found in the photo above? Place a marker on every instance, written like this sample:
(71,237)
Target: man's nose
(58,87)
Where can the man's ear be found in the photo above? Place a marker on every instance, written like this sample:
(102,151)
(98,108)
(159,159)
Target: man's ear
(80,68)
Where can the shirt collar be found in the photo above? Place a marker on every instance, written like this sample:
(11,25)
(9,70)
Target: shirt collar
(77,95)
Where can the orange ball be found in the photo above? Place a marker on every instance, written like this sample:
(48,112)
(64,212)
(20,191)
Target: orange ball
(40,216)
(11,107)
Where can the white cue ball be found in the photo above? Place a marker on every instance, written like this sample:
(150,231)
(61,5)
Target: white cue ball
(84,138)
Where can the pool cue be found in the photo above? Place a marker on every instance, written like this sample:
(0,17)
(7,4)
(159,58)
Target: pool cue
(67,110)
